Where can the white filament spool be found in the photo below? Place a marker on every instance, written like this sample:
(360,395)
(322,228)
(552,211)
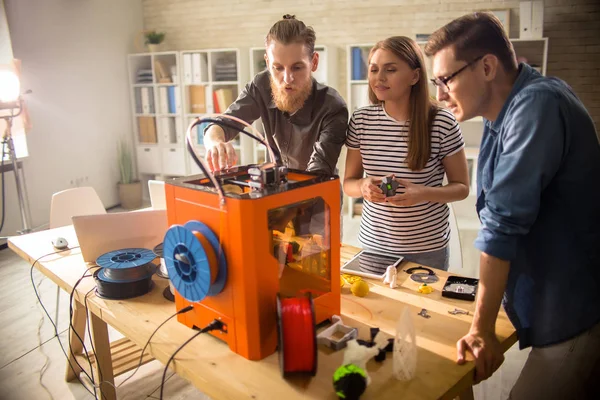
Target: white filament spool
(405,348)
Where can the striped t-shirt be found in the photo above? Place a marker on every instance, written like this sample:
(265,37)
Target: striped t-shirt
(383,145)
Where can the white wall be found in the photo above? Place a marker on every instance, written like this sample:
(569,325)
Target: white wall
(74,60)
(5,48)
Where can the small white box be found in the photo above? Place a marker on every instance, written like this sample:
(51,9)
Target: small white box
(531,18)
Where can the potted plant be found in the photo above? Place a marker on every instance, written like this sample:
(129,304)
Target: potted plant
(154,39)
(130,189)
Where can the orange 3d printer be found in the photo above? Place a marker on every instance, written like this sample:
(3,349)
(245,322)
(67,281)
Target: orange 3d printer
(244,240)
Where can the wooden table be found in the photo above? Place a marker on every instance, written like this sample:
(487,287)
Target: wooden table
(209,364)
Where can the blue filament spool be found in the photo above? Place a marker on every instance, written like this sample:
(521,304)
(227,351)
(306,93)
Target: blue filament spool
(187,262)
(126,265)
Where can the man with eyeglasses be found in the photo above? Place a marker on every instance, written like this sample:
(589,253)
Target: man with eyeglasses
(538,200)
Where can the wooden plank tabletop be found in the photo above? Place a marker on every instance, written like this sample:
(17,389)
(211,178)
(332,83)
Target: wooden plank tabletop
(208,363)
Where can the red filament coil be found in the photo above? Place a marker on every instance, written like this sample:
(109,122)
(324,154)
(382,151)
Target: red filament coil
(297,336)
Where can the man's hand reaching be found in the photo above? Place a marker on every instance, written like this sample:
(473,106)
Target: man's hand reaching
(486,350)
(219,153)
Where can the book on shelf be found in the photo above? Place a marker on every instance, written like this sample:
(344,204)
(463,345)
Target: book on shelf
(187,69)
(144,76)
(179,132)
(359,67)
(147,130)
(171,92)
(138,100)
(198,67)
(163,94)
(168,129)
(146,97)
(216,108)
(200,132)
(196,77)
(225,70)
(177,99)
(197,99)
(174,99)
(161,73)
(224,98)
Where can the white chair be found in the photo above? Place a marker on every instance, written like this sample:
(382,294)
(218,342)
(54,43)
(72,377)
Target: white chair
(69,203)
(158,198)
(72,202)
(455,248)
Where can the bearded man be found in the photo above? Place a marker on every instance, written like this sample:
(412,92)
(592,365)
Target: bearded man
(304,119)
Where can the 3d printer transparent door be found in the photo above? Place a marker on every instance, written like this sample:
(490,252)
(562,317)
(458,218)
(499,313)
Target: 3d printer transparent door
(301,244)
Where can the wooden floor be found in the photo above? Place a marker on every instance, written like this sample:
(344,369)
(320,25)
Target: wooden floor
(23,353)
(22,358)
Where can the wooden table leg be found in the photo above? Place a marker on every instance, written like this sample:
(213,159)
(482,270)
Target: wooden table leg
(79,321)
(467,394)
(103,357)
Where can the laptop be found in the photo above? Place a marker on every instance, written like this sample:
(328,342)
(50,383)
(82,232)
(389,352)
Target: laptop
(158,198)
(100,233)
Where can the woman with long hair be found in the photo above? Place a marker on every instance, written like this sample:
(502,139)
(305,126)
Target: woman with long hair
(404,135)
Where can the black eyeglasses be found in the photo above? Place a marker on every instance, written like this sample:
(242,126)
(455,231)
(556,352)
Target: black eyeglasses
(442,83)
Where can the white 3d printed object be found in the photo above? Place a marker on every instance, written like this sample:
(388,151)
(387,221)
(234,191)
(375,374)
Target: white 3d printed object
(405,348)
(390,276)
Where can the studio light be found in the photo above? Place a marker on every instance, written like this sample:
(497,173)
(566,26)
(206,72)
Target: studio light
(11,106)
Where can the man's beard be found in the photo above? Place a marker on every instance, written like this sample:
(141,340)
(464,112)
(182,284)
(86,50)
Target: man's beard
(290,102)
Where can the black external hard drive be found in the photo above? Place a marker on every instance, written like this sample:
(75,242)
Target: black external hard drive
(457,287)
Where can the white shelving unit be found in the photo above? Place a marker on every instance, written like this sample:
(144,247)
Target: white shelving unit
(156,109)
(356,71)
(357,91)
(210,83)
(168,90)
(534,51)
(257,64)
(326,74)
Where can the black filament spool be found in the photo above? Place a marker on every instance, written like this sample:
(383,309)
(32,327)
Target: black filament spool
(122,290)
(121,275)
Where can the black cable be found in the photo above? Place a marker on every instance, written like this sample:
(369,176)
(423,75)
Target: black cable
(420,267)
(79,337)
(276,153)
(87,324)
(182,311)
(204,171)
(91,378)
(215,324)
(81,340)
(54,325)
(101,377)
(275,150)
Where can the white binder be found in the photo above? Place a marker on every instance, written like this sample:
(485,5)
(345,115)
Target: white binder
(196,68)
(187,69)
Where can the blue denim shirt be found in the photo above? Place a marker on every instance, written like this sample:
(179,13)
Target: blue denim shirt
(538,187)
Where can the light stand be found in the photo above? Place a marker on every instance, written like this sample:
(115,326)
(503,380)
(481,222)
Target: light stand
(15,108)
